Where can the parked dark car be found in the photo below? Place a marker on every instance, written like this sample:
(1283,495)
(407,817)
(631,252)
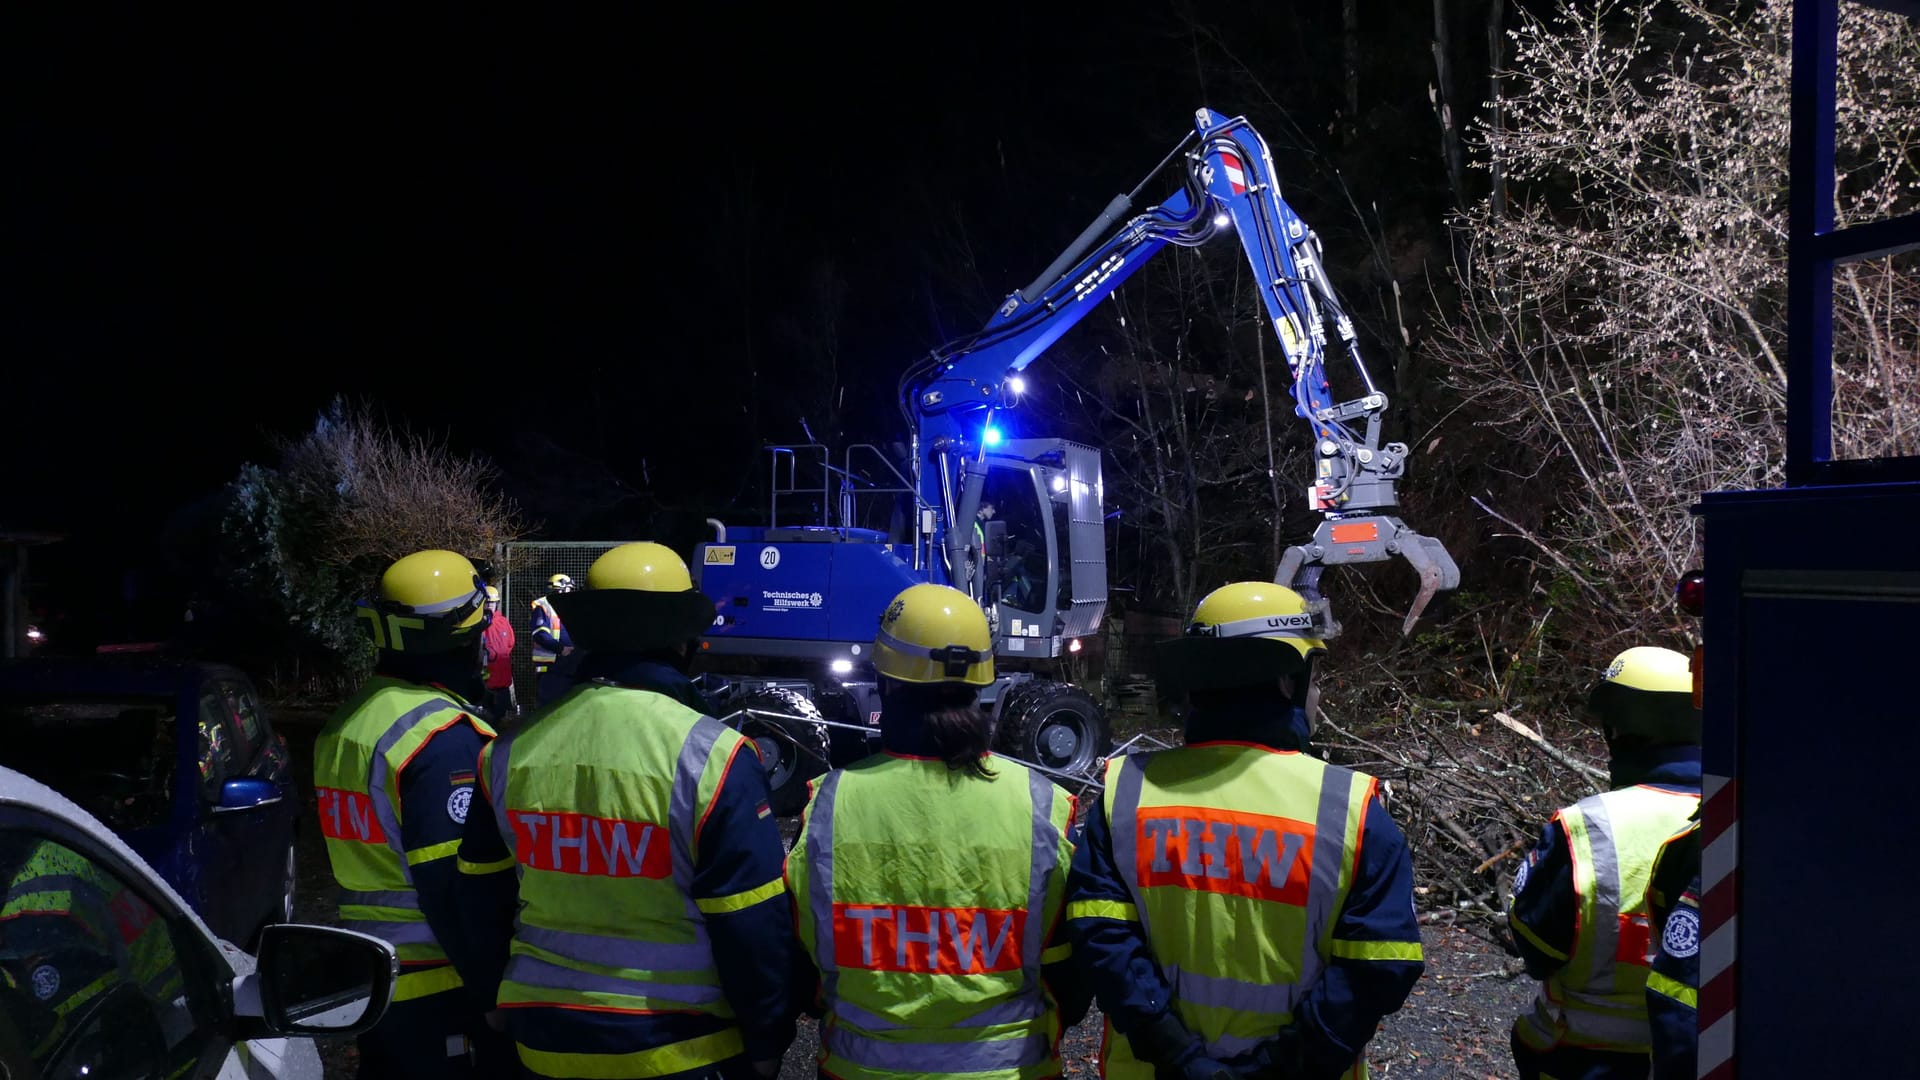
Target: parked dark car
(178,759)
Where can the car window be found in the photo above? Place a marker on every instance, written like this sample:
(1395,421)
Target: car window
(115,756)
(246,721)
(90,973)
(218,756)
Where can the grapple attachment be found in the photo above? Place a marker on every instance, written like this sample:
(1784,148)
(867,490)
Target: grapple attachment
(1364,538)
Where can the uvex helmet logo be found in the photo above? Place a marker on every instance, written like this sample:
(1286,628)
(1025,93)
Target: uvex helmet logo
(1290,622)
(893,612)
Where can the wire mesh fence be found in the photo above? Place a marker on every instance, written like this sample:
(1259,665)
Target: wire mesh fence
(532,564)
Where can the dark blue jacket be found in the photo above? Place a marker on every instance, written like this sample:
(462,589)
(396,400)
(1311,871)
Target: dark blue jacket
(1340,1013)
(1673,988)
(437,793)
(1543,898)
(754,948)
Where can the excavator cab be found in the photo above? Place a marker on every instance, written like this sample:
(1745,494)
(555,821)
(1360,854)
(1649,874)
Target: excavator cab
(1041,573)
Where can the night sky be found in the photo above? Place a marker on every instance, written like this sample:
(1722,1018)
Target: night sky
(604,228)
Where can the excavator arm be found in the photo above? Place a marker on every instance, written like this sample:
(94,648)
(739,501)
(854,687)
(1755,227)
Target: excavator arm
(1229,186)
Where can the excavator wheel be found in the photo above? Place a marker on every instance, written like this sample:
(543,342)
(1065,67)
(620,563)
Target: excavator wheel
(1057,726)
(792,745)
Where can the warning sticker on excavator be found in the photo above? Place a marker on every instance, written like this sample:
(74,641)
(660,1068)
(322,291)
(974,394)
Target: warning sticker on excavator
(1290,336)
(1357,533)
(1236,174)
(720,556)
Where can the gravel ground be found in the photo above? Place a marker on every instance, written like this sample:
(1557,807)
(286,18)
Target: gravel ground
(1454,1025)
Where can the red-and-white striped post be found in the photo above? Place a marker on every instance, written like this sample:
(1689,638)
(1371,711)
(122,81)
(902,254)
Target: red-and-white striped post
(1719,923)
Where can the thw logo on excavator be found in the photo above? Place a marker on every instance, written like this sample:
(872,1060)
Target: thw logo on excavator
(1099,274)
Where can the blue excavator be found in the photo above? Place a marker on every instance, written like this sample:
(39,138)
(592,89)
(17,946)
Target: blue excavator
(1019,522)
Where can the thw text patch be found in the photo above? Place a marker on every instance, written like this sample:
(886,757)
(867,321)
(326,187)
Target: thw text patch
(1221,851)
(348,815)
(926,940)
(580,844)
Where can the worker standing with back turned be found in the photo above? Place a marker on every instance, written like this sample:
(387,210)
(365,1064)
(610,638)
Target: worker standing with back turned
(393,774)
(552,644)
(1579,911)
(1245,910)
(929,880)
(626,891)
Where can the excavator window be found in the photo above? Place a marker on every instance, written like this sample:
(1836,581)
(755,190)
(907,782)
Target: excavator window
(1022,569)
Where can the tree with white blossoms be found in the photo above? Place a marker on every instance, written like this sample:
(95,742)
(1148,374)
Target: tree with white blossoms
(1623,312)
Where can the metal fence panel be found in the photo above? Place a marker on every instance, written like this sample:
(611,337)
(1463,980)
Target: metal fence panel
(532,563)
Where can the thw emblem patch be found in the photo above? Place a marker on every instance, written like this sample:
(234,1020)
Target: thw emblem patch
(1681,938)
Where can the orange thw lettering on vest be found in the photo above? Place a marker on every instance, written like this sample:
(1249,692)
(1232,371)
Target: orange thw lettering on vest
(1634,942)
(926,940)
(1220,851)
(582,844)
(348,815)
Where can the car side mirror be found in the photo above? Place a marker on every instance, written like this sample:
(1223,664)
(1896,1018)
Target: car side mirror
(318,980)
(246,793)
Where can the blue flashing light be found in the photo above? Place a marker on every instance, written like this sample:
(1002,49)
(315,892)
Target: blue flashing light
(992,436)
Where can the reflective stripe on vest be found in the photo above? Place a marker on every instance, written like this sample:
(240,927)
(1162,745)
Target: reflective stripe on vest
(1196,862)
(357,764)
(1598,998)
(962,948)
(600,801)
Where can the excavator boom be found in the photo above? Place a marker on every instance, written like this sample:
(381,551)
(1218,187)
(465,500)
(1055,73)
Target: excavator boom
(1229,185)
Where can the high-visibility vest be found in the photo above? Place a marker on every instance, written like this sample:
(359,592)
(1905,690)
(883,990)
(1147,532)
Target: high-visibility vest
(358,759)
(542,655)
(926,897)
(601,800)
(1239,859)
(1597,1000)
(57,882)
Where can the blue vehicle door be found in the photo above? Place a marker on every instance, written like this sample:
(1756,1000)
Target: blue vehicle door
(242,858)
(211,846)
(224,840)
(268,825)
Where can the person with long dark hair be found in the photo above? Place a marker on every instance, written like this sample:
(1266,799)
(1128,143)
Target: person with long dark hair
(929,880)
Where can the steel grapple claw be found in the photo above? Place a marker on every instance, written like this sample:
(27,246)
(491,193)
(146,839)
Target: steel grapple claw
(1363,539)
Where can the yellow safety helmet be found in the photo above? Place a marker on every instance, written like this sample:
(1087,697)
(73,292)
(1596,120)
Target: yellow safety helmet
(429,602)
(493,594)
(639,596)
(1242,634)
(645,566)
(1647,693)
(934,634)
(560,583)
